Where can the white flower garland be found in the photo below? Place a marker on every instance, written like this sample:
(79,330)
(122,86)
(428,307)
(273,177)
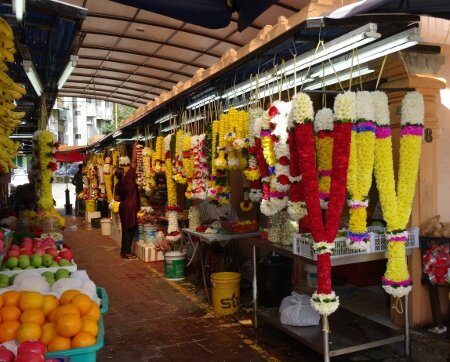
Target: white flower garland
(323,247)
(344,106)
(301,111)
(201,175)
(194,217)
(397,292)
(297,210)
(323,120)
(413,109)
(172,226)
(380,101)
(325,304)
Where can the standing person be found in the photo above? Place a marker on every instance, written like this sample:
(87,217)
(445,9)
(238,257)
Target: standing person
(77,181)
(126,191)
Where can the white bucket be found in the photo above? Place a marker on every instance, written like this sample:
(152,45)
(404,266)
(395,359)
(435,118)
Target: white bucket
(174,265)
(106,226)
(311,275)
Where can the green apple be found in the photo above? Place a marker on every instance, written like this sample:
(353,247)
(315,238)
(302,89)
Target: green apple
(30,267)
(64,262)
(4,279)
(62,273)
(12,262)
(24,261)
(4,268)
(54,264)
(17,268)
(36,260)
(48,274)
(47,260)
(4,285)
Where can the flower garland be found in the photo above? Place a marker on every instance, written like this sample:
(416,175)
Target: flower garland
(246,205)
(276,153)
(324,300)
(194,218)
(179,173)
(158,156)
(200,177)
(108,178)
(396,206)
(173,232)
(302,109)
(360,169)
(323,127)
(149,182)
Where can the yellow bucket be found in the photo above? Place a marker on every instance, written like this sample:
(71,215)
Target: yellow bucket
(225,292)
(90,205)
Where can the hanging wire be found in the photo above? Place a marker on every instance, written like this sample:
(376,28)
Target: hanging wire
(311,63)
(359,70)
(294,55)
(332,66)
(351,71)
(382,68)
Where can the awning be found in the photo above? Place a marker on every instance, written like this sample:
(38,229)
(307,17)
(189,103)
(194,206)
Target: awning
(70,154)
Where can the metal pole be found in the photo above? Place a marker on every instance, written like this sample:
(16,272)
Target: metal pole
(255,290)
(326,349)
(407,337)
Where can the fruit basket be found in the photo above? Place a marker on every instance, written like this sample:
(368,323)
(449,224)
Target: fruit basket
(86,354)
(101,293)
(244,227)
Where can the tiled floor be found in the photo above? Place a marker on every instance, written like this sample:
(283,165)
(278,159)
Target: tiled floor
(152,319)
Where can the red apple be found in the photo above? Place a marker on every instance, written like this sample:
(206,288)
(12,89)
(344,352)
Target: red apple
(27,240)
(66,254)
(2,234)
(13,252)
(33,346)
(52,252)
(49,240)
(14,247)
(27,246)
(25,251)
(29,357)
(6,355)
(39,251)
(57,259)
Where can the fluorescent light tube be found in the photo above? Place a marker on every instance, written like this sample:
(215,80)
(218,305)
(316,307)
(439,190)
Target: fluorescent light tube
(32,76)
(202,102)
(373,51)
(68,70)
(117,133)
(319,84)
(164,119)
(19,9)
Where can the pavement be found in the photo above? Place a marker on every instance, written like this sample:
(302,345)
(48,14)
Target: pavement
(152,319)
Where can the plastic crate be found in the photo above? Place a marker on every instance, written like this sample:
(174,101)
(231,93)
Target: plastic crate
(378,242)
(101,293)
(86,354)
(303,246)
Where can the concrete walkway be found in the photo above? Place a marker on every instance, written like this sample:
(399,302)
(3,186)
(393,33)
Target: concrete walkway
(150,319)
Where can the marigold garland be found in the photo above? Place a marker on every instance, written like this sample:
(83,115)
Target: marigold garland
(324,299)
(173,232)
(359,176)
(158,157)
(396,206)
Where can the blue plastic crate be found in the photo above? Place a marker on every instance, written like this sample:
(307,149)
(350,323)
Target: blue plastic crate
(101,293)
(86,354)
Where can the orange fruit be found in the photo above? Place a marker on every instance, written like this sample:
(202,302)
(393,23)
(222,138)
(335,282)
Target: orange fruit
(1,300)
(33,315)
(48,333)
(89,325)
(31,300)
(94,311)
(67,296)
(51,315)
(59,343)
(28,332)
(10,313)
(82,302)
(50,303)
(65,309)
(83,339)
(69,325)
(11,297)
(8,330)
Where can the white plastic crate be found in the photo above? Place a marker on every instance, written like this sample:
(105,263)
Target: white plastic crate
(378,242)
(303,246)
(147,252)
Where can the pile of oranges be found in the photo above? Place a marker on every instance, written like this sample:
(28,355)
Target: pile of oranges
(70,322)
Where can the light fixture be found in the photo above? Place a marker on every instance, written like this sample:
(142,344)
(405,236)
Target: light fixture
(343,44)
(164,119)
(21,136)
(340,77)
(19,9)
(68,70)
(247,86)
(203,102)
(373,51)
(32,76)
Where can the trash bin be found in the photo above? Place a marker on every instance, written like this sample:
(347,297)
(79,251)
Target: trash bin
(106,226)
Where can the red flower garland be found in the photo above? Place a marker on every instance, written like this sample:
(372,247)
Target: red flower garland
(304,135)
(260,160)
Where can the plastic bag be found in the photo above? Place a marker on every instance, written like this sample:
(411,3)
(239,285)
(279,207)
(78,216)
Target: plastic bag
(295,310)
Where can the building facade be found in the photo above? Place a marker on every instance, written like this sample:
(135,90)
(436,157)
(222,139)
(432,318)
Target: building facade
(75,120)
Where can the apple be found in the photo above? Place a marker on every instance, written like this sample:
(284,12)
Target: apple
(62,273)
(13,253)
(57,259)
(33,346)
(47,260)
(12,262)
(26,252)
(6,355)
(29,357)
(27,240)
(64,262)
(49,240)
(36,260)
(2,235)
(24,261)
(39,251)
(51,251)
(66,254)
(14,247)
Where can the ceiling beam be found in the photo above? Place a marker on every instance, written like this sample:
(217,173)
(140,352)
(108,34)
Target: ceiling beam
(175,45)
(114,100)
(184,74)
(116,91)
(117,79)
(134,52)
(104,84)
(83,94)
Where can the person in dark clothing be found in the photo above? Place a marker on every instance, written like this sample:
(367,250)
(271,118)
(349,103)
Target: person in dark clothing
(77,181)
(126,191)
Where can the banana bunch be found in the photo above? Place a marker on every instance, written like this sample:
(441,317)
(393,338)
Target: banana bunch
(9,92)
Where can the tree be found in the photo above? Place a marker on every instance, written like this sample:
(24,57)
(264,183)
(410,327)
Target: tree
(123,112)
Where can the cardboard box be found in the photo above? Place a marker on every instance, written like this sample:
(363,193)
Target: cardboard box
(92,215)
(147,253)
